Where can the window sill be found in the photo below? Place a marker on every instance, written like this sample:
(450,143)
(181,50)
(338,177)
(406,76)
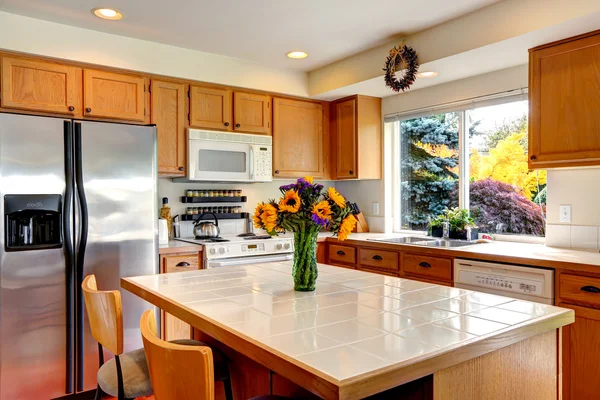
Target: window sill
(497,237)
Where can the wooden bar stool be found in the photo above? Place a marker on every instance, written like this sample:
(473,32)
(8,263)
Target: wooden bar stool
(126,376)
(180,372)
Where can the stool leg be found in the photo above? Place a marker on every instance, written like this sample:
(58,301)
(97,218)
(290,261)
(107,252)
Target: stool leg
(98,393)
(228,388)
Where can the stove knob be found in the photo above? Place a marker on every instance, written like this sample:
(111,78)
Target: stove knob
(222,250)
(213,251)
(286,246)
(278,246)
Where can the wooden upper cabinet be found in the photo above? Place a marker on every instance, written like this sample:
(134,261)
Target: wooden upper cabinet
(41,86)
(297,139)
(211,108)
(168,113)
(252,113)
(114,96)
(564,96)
(356,128)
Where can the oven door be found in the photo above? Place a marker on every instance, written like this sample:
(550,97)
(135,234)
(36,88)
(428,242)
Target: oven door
(211,160)
(230,262)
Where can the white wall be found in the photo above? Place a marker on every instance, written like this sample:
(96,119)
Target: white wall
(45,38)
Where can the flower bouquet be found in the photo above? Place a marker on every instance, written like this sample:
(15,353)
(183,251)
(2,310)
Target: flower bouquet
(305,209)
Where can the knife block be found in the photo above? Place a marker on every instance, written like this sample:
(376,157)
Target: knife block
(361,225)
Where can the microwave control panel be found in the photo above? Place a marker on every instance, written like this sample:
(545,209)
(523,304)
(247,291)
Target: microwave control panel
(263,163)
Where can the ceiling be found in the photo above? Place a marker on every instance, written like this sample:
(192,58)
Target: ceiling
(262,31)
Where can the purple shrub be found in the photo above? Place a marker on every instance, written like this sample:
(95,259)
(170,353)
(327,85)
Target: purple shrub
(494,203)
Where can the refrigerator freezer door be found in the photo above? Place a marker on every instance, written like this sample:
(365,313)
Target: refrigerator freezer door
(33,300)
(119,179)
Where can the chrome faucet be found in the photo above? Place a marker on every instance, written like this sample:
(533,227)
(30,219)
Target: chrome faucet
(446,232)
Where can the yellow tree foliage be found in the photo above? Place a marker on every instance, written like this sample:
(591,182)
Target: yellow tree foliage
(507,162)
(442,151)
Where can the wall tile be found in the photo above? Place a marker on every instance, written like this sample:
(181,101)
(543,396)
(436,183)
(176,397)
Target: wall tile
(584,237)
(558,235)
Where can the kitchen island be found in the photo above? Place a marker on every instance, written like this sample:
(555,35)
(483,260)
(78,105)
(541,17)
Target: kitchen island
(361,334)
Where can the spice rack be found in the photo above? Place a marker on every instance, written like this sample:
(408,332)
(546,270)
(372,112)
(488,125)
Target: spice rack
(222,199)
(196,217)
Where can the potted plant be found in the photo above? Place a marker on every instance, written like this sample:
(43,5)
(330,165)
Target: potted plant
(436,226)
(305,208)
(461,224)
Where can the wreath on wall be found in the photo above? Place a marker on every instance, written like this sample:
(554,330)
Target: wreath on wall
(401,58)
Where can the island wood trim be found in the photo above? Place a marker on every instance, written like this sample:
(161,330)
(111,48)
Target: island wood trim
(524,370)
(362,385)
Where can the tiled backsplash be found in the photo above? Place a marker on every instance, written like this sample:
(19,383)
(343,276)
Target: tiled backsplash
(573,236)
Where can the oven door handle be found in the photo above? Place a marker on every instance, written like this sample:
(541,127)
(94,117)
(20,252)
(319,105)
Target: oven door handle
(248,260)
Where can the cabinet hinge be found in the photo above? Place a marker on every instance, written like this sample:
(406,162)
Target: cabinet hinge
(189,90)
(149,88)
(269,104)
(144,112)
(189,119)
(144,88)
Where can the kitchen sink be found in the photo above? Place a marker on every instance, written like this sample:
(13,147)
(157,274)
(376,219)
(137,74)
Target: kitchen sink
(426,241)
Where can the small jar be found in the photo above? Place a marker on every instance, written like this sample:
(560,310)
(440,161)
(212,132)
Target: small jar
(195,210)
(238,193)
(230,193)
(211,193)
(189,193)
(189,211)
(195,193)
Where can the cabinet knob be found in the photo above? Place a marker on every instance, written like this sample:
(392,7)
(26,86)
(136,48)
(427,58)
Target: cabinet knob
(181,168)
(237,125)
(88,110)
(351,172)
(71,108)
(532,158)
(226,123)
(277,171)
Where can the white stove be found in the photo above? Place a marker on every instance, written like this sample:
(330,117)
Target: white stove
(234,250)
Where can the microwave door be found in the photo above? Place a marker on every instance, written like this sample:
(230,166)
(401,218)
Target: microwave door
(220,161)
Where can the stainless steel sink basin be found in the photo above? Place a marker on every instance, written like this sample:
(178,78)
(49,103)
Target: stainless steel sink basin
(426,241)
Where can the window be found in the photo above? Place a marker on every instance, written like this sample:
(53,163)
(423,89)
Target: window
(475,159)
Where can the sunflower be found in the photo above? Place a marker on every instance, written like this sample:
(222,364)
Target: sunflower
(346,227)
(269,217)
(337,198)
(256,218)
(308,179)
(321,213)
(290,202)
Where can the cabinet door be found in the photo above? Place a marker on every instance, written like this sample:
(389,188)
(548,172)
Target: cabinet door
(168,113)
(41,86)
(346,135)
(252,113)
(564,99)
(114,96)
(297,139)
(581,354)
(211,108)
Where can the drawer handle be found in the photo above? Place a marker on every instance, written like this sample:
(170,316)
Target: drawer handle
(378,258)
(183,264)
(590,289)
(424,264)
(340,253)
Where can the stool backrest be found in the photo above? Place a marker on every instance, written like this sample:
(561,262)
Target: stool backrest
(105,314)
(177,372)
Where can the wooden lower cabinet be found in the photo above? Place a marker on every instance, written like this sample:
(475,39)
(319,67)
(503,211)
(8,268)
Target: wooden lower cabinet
(173,328)
(581,354)
(322,253)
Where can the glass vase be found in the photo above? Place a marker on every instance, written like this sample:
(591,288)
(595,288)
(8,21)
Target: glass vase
(305,270)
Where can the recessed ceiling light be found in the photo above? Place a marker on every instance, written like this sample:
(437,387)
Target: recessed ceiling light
(297,54)
(427,74)
(107,13)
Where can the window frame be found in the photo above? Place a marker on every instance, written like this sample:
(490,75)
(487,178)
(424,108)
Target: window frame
(392,123)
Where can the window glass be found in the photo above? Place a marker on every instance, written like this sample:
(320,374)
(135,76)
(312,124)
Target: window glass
(505,196)
(429,168)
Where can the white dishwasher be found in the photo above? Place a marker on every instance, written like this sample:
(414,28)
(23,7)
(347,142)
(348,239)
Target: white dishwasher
(525,283)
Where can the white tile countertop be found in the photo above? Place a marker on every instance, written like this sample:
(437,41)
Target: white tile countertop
(355,322)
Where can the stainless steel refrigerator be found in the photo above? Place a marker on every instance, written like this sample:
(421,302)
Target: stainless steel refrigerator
(77,198)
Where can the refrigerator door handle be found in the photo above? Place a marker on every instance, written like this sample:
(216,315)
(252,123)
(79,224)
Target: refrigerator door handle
(83,234)
(69,251)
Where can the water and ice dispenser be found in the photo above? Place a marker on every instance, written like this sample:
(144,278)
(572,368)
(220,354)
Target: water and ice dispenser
(32,221)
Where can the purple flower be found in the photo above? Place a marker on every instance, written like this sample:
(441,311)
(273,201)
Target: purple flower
(285,188)
(303,185)
(319,221)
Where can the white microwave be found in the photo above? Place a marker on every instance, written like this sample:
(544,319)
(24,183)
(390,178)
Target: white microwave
(229,157)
